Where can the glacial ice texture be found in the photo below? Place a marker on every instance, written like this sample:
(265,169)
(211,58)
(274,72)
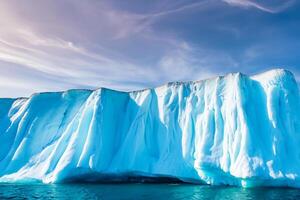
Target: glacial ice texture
(233,130)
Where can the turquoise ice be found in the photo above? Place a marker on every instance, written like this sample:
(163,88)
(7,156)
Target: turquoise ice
(233,130)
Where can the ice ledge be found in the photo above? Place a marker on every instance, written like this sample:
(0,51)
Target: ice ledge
(274,75)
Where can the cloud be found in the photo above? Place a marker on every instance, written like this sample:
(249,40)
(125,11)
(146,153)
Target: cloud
(253,4)
(54,53)
(82,47)
(187,62)
(136,23)
(184,7)
(181,65)
(61,59)
(57,45)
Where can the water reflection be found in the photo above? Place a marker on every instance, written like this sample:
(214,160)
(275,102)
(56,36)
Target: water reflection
(140,191)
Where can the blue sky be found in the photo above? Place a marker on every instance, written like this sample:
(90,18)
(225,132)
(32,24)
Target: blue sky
(134,44)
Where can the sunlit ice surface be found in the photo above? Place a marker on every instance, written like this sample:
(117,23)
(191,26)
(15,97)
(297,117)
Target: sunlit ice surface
(234,130)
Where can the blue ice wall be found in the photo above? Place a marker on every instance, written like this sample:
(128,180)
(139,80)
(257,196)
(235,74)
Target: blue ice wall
(233,130)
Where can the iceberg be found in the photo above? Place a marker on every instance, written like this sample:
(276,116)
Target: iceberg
(230,130)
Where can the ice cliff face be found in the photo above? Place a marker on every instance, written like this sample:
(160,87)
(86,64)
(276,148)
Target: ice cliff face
(235,130)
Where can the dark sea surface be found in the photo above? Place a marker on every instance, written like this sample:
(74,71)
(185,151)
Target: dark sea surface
(140,191)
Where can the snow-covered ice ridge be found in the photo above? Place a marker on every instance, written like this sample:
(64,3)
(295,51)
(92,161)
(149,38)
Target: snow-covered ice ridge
(234,130)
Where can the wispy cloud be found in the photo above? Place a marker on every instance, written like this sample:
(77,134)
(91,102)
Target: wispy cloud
(59,58)
(187,62)
(90,61)
(136,23)
(253,4)
(57,45)
(181,8)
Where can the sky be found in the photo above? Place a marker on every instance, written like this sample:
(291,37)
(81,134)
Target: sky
(55,45)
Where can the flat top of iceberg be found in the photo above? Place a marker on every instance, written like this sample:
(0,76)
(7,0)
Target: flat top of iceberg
(273,74)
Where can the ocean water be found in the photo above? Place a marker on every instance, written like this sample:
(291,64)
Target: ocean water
(140,191)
